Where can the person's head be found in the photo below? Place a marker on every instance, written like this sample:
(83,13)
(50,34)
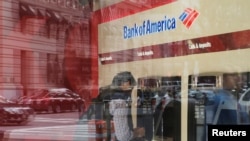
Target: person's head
(123,81)
(231,80)
(125,85)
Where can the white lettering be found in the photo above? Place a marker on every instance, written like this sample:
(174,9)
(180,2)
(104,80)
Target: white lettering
(216,132)
(199,45)
(108,58)
(145,53)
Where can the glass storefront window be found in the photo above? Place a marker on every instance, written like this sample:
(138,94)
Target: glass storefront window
(122,70)
(160,41)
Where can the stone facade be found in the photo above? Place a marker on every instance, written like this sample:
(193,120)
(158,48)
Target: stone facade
(36,39)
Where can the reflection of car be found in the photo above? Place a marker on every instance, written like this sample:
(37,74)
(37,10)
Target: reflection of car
(244,100)
(202,95)
(77,101)
(10,112)
(55,100)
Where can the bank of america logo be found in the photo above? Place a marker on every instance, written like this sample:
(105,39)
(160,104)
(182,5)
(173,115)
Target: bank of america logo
(188,17)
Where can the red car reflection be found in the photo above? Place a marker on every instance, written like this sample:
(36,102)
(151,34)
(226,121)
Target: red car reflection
(13,113)
(54,101)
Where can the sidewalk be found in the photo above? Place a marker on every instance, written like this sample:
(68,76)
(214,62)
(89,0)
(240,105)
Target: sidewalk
(84,130)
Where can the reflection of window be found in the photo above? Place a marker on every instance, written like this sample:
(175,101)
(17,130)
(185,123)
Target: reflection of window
(28,18)
(246,96)
(53,68)
(206,79)
(69,3)
(148,82)
(51,30)
(72,4)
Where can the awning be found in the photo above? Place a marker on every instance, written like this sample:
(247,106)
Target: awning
(53,16)
(27,10)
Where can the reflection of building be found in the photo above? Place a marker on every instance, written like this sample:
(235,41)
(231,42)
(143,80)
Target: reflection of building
(37,36)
